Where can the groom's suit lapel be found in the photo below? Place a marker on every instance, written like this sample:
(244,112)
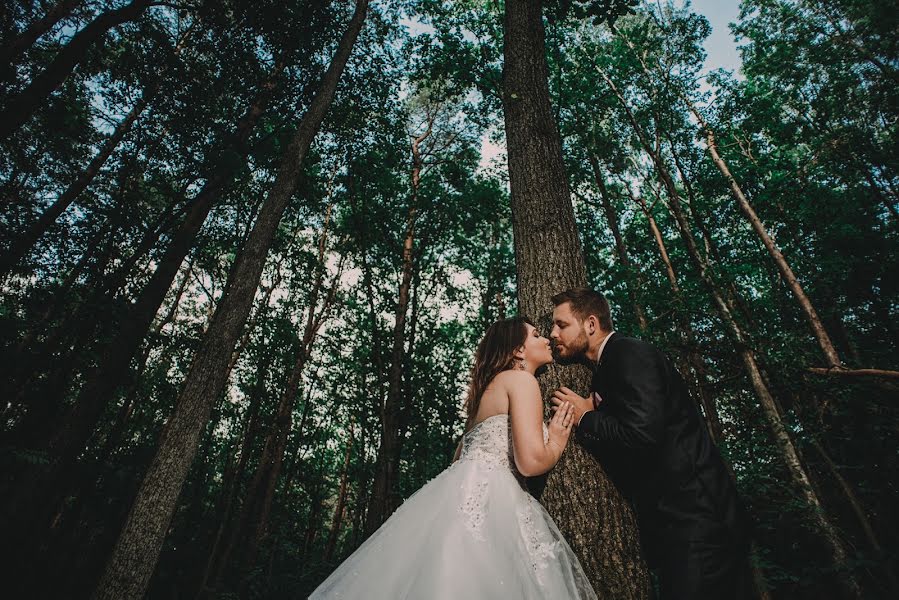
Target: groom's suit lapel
(606,352)
(601,373)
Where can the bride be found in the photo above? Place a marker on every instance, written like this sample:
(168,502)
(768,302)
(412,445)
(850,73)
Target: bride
(473,531)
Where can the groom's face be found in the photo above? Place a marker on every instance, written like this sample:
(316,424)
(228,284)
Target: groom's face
(568,333)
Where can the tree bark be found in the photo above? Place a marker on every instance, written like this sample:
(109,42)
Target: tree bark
(134,558)
(595,519)
(20,108)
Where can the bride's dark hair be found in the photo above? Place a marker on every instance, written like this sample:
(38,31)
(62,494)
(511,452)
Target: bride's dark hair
(495,353)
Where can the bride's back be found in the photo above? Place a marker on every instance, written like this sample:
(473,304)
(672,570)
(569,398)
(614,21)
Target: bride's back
(495,399)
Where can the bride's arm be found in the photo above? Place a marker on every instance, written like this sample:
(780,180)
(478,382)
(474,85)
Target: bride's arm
(532,455)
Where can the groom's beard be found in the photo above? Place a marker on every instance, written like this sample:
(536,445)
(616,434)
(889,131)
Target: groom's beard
(579,346)
(575,352)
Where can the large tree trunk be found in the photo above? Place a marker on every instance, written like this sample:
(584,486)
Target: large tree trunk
(20,108)
(595,518)
(770,409)
(137,550)
(384,496)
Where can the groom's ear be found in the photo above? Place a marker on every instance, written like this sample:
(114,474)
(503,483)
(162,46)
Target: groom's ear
(591,324)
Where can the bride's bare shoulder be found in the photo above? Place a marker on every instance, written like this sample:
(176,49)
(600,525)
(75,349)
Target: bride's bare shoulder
(514,378)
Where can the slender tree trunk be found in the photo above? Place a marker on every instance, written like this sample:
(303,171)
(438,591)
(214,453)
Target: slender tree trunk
(710,247)
(761,231)
(695,361)
(384,497)
(770,409)
(340,505)
(593,516)
(21,245)
(261,491)
(222,542)
(20,108)
(861,516)
(28,362)
(45,383)
(26,39)
(81,484)
(792,282)
(137,550)
(611,216)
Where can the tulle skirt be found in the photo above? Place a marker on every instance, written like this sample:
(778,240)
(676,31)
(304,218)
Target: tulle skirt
(472,532)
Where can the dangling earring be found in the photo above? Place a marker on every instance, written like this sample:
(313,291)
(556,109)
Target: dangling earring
(518,364)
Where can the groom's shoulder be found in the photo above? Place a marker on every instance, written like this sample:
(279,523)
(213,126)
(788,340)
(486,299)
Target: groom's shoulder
(624,346)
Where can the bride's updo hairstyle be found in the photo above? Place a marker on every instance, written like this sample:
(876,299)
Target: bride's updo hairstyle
(495,353)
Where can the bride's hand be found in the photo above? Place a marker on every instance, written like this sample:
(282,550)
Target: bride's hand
(560,425)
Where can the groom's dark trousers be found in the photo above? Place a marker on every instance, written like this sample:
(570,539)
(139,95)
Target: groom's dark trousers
(650,437)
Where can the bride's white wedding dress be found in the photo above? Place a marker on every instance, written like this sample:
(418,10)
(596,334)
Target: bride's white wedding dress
(472,532)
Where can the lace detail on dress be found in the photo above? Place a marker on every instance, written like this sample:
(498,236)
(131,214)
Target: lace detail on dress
(541,546)
(473,509)
(489,443)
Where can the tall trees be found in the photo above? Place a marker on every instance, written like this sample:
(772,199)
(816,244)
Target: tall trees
(134,557)
(145,178)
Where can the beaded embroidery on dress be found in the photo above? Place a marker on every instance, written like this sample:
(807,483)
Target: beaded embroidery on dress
(471,532)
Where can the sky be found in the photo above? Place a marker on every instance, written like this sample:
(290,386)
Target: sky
(720,46)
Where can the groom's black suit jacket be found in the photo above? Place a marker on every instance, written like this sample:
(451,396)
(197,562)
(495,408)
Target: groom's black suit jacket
(650,437)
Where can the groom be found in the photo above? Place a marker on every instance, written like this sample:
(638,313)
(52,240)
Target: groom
(642,425)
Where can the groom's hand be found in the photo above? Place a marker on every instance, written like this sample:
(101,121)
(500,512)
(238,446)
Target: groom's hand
(579,404)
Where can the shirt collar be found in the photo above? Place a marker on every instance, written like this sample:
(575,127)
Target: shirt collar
(602,347)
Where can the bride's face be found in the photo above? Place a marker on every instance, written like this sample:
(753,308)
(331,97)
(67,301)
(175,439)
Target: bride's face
(537,350)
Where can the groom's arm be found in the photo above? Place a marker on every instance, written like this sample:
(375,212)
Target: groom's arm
(638,420)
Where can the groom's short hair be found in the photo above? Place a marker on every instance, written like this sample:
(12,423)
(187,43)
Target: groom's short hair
(585,302)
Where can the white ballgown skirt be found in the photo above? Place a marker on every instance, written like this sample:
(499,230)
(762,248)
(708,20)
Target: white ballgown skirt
(472,532)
